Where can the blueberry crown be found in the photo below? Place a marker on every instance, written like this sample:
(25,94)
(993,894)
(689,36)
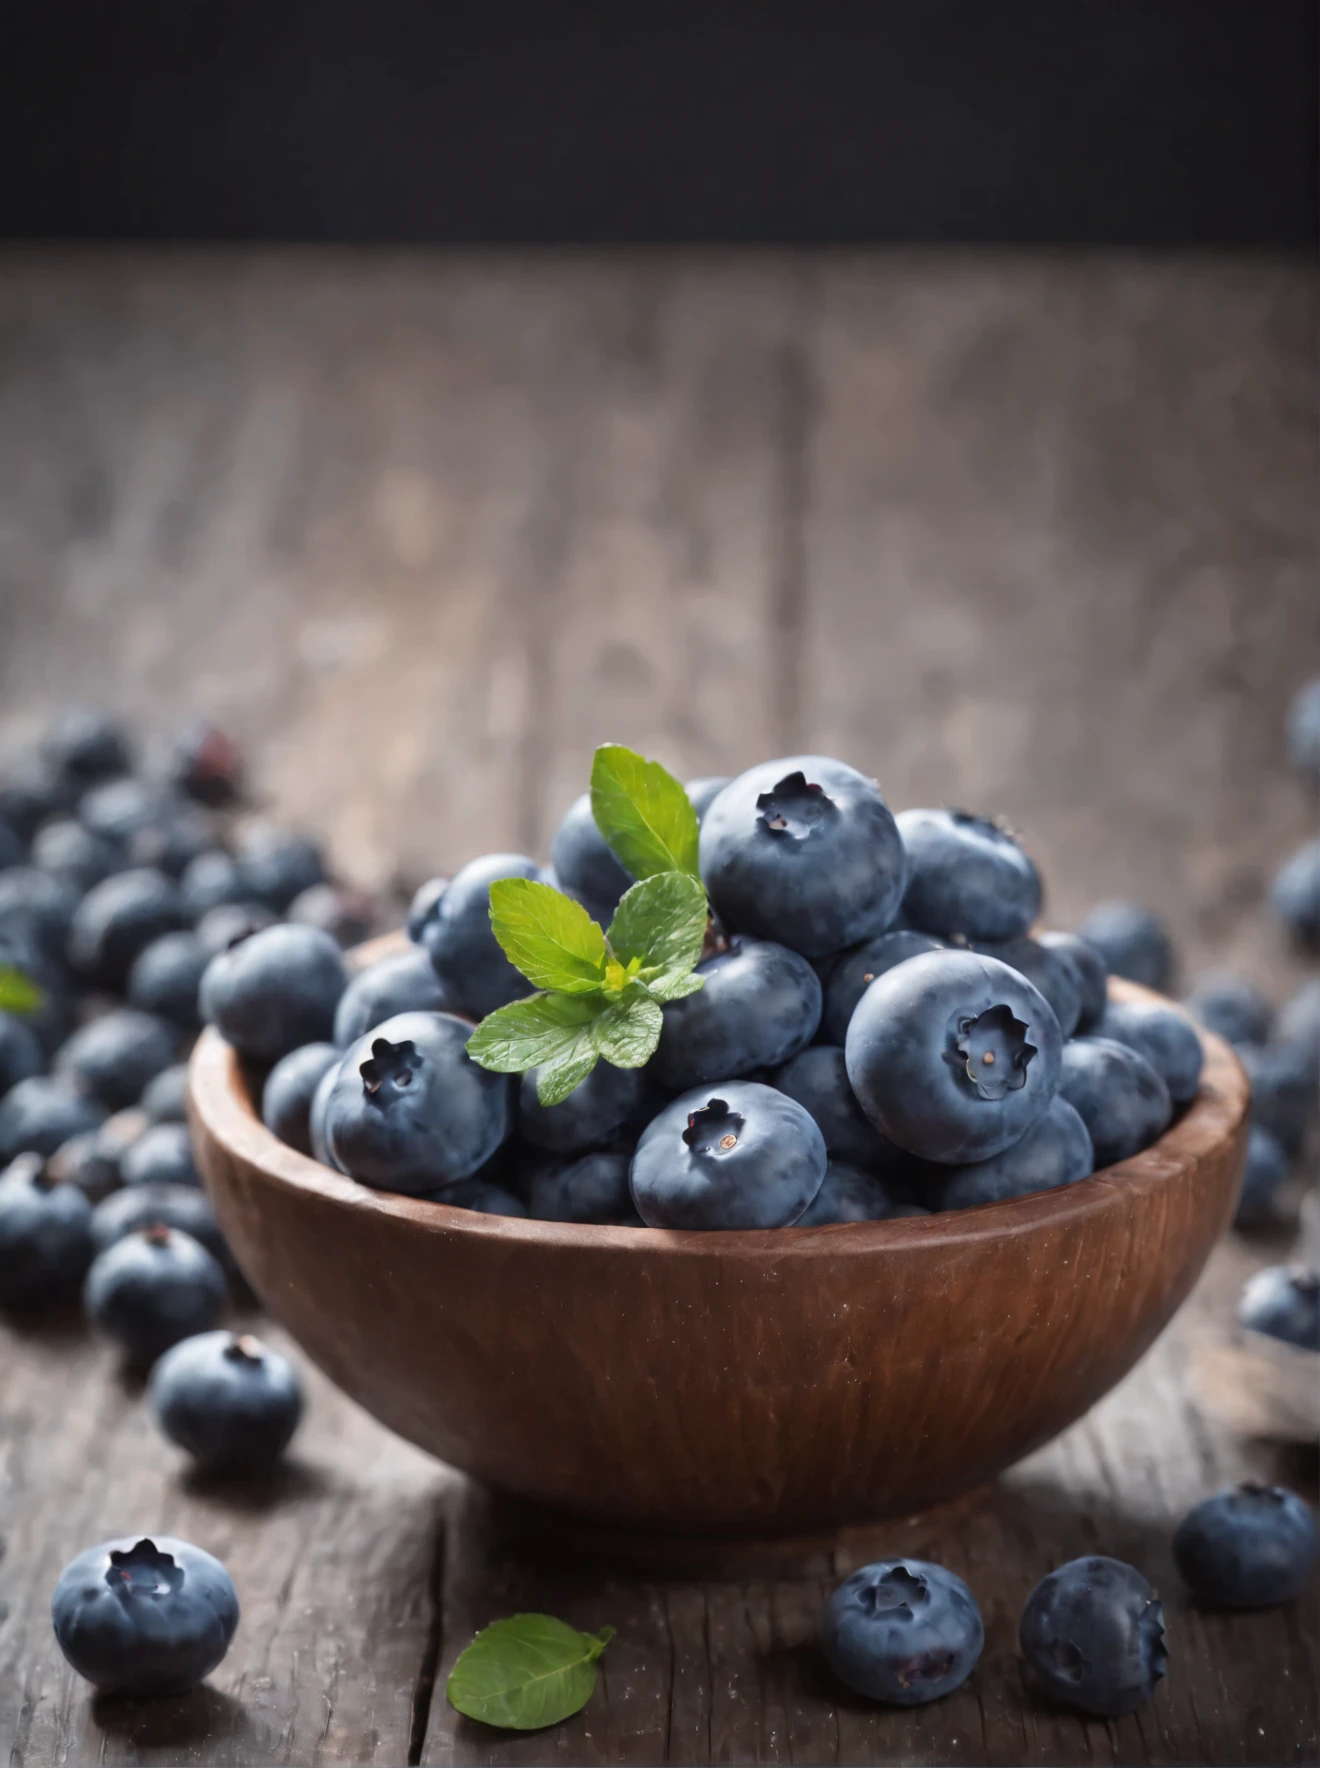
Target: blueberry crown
(389,1066)
(714,1129)
(794,807)
(894,1592)
(243,1349)
(143,1570)
(993,1050)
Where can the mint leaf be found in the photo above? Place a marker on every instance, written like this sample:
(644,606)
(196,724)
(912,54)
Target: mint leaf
(674,987)
(18,992)
(542,1029)
(626,1034)
(548,936)
(556,1079)
(661,923)
(643,813)
(526,1672)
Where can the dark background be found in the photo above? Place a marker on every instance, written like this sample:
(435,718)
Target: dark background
(1098,121)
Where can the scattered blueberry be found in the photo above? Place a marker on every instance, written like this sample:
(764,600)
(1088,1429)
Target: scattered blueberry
(207,765)
(274,991)
(1285,1081)
(212,879)
(93,1161)
(171,1206)
(1231,1008)
(759,1006)
(422,909)
(852,973)
(41,905)
(461,941)
(165,1099)
(32,791)
(404,982)
(162,1155)
(818,1079)
(1090,971)
(590,1188)
(1165,1037)
(1132,943)
(114,1057)
(1295,895)
(21,1054)
(594,1113)
(1265,1171)
(409,1111)
(119,919)
(739,1155)
(118,809)
(144,1616)
(151,1288)
(178,835)
(166,977)
(1283,1301)
(704,792)
(1304,731)
(39,1113)
(45,1236)
(804,851)
(68,850)
(1299,1022)
(231,1402)
(228,924)
(966,875)
(847,1194)
(1048,970)
(1055,1151)
(902,1631)
(278,866)
(286,1098)
(1093,1632)
(1249,1546)
(584,862)
(953,1055)
(1123,1102)
(348,916)
(85,745)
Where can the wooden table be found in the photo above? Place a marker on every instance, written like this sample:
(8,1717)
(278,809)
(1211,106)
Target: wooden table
(1035,534)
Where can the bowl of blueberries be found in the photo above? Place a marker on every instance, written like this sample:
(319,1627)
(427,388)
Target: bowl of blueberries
(755,1167)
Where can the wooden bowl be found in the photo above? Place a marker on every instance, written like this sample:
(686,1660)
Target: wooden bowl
(761,1384)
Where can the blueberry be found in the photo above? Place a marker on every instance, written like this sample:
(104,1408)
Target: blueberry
(759,1006)
(1055,1151)
(162,1155)
(1304,731)
(409,1111)
(274,991)
(423,908)
(70,852)
(1299,1022)
(479,1196)
(584,862)
(45,1236)
(279,866)
(231,1402)
(966,875)
(40,905)
(33,791)
(93,1161)
(152,1288)
(853,971)
(173,839)
(1285,1079)
(1165,1037)
(1046,969)
(13,849)
(847,1194)
(113,1057)
(1250,1546)
(144,1616)
(51,1020)
(1090,972)
(1295,895)
(117,809)
(229,923)
(21,1054)
(462,943)
(903,1631)
(804,851)
(405,982)
(348,916)
(739,1155)
(818,1080)
(591,1188)
(86,745)
(1266,1169)
(594,1113)
(286,1098)
(1132,943)
(1231,1008)
(166,977)
(703,792)
(1283,1301)
(38,1114)
(207,765)
(316,1136)
(165,1099)
(212,879)
(119,919)
(1093,1632)
(953,1055)
(170,1206)
(1120,1098)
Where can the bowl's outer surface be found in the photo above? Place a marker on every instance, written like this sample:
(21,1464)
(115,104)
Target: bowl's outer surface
(752,1383)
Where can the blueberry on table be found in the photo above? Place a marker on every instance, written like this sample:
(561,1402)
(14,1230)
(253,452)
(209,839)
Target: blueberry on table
(41,905)
(45,1236)
(847,1194)
(165,1099)
(277,865)
(405,982)
(144,1615)
(1123,1102)
(1285,1081)
(210,880)
(704,792)
(117,920)
(1132,942)
(1295,895)
(347,915)
(21,1055)
(953,1056)
(1090,972)
(184,1207)
(1265,1171)
(84,745)
(93,1161)
(286,1098)
(593,1114)
(166,977)
(40,1113)
(173,839)
(1231,1008)
(584,862)
(33,789)
(461,941)
(804,851)
(1093,1633)
(113,1057)
(230,1401)
(590,1188)
(228,924)
(1164,1036)
(760,1004)
(902,1631)
(1045,969)
(1055,1151)
(161,1155)
(853,971)
(966,875)
(1299,1021)
(736,1155)
(818,1079)
(118,809)
(275,991)
(410,1111)
(71,852)
(480,1196)
(1249,1546)
(152,1288)
(1283,1302)
(423,907)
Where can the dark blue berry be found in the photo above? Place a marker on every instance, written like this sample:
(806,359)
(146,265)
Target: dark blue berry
(275,991)
(170,1206)
(902,1631)
(737,1155)
(1249,1546)
(704,792)
(423,907)
(162,1155)
(21,1055)
(212,879)
(405,982)
(114,1057)
(117,809)
(85,745)
(1093,1633)
(229,924)
(818,1080)
(207,765)
(277,865)
(1165,1037)
(1266,1169)
(1046,969)
(231,1402)
(462,943)
(144,1615)
(852,972)
(93,1161)
(760,1004)
(1285,1080)
(118,920)
(1231,1008)
(1055,1151)
(591,1188)
(847,1194)
(1123,1102)
(480,1196)
(1090,972)
(1295,895)
(152,1288)
(594,1113)
(966,875)
(1132,942)
(1283,1302)
(33,790)
(173,839)
(953,1055)
(803,851)
(1299,1022)
(584,862)
(38,1114)
(41,907)
(286,1098)
(69,851)
(316,1136)
(167,977)
(347,915)
(165,1099)
(45,1236)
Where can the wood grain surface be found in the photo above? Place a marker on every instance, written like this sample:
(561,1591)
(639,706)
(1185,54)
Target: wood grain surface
(1034,534)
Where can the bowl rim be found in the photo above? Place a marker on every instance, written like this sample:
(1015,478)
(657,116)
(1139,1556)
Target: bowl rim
(221,1106)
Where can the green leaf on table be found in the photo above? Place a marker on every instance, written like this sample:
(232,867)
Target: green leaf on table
(18,993)
(643,812)
(526,1672)
(548,936)
(660,924)
(627,1032)
(532,1033)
